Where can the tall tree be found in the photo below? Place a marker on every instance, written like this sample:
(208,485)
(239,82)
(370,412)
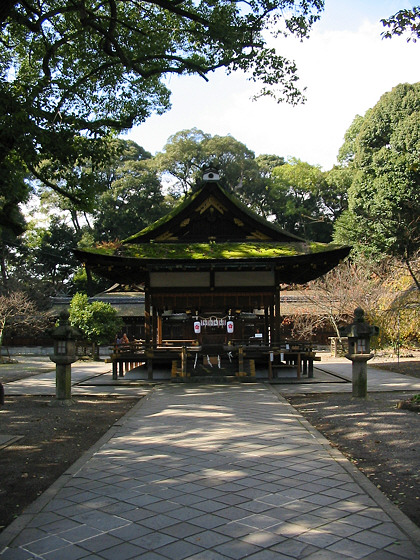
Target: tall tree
(41,263)
(134,197)
(188,152)
(304,201)
(73,72)
(183,158)
(383,218)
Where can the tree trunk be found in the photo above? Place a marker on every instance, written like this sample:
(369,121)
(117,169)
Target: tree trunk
(4,279)
(411,271)
(95,351)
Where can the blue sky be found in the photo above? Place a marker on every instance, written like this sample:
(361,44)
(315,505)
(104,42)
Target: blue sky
(345,66)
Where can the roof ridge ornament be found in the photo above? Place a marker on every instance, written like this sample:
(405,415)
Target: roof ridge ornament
(210,174)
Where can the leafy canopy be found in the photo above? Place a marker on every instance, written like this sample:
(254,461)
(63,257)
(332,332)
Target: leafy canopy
(97,320)
(71,73)
(383,218)
(403,22)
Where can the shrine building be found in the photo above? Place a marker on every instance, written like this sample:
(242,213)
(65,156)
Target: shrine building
(212,272)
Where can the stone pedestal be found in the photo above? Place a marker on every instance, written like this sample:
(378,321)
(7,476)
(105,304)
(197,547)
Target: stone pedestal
(359,334)
(62,381)
(359,373)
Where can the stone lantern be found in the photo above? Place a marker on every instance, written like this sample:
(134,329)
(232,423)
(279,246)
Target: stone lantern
(359,334)
(64,337)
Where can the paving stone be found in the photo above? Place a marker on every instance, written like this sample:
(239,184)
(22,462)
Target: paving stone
(361,521)
(264,539)
(153,540)
(178,550)
(404,550)
(71,552)
(209,506)
(100,542)
(208,521)
(372,539)
(123,551)
(208,539)
(46,544)
(294,548)
(319,538)
(182,530)
(237,549)
(16,554)
(351,548)
(130,532)
(234,530)
(260,521)
(382,555)
(207,555)
(216,473)
(60,525)
(102,520)
(326,555)
(268,555)
(158,522)
(80,533)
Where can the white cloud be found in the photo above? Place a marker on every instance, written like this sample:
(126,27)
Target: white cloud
(345,72)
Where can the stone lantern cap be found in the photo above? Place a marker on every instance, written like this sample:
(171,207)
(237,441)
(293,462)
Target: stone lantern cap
(359,328)
(65,331)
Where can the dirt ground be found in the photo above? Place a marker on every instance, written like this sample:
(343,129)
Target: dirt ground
(380,439)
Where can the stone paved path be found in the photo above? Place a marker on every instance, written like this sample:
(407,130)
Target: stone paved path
(211,473)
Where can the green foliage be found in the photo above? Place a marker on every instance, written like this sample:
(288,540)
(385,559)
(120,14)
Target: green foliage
(133,195)
(305,200)
(74,73)
(383,218)
(188,152)
(404,21)
(88,284)
(97,320)
(183,157)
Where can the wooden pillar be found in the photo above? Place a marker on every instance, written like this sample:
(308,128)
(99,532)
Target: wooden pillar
(266,323)
(154,326)
(277,318)
(159,327)
(184,361)
(147,326)
(241,361)
(148,334)
(272,326)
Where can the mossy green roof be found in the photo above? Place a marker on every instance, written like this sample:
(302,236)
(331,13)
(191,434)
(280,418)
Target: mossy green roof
(215,251)
(156,227)
(167,218)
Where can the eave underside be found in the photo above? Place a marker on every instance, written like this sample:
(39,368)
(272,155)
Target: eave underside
(284,270)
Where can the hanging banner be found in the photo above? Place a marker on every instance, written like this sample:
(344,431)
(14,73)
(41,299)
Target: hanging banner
(197,327)
(230,327)
(213,322)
